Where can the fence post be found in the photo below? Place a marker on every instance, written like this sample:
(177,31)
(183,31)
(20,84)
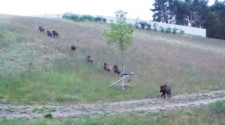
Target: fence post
(123,71)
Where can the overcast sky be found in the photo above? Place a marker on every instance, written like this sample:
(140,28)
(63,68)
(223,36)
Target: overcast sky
(135,8)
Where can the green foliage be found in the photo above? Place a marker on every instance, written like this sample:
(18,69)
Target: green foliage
(83,18)
(163,11)
(213,25)
(121,32)
(161,29)
(71,16)
(181,32)
(155,27)
(215,21)
(142,24)
(74,17)
(174,31)
(86,18)
(194,12)
(136,25)
(190,11)
(149,27)
(168,30)
(49,116)
(100,19)
(218,107)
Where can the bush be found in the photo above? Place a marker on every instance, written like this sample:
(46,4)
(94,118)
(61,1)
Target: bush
(100,19)
(168,30)
(174,31)
(136,25)
(143,24)
(149,27)
(74,17)
(161,29)
(83,18)
(71,16)
(155,27)
(181,32)
(86,18)
(218,107)
(49,115)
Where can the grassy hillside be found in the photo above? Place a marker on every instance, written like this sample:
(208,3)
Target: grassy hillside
(35,68)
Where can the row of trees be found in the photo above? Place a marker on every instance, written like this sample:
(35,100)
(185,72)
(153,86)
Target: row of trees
(194,13)
(82,18)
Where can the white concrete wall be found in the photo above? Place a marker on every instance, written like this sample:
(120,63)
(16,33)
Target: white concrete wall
(186,29)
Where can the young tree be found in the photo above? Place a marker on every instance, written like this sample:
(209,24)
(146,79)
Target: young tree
(120,34)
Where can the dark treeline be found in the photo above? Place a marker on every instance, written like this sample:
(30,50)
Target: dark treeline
(82,18)
(194,13)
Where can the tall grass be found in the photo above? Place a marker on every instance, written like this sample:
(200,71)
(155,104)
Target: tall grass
(66,83)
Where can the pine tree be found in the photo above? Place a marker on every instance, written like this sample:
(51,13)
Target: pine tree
(181,12)
(192,12)
(216,20)
(198,12)
(163,11)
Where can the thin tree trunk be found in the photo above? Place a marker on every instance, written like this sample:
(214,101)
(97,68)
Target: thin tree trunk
(123,69)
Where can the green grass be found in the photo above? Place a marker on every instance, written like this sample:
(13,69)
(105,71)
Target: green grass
(197,116)
(37,69)
(65,83)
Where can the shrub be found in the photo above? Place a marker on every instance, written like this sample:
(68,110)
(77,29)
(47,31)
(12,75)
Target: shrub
(136,25)
(148,26)
(181,32)
(99,19)
(168,30)
(71,16)
(161,29)
(218,107)
(49,115)
(86,18)
(155,27)
(76,18)
(174,31)
(143,24)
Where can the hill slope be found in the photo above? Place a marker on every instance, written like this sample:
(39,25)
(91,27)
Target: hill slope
(35,68)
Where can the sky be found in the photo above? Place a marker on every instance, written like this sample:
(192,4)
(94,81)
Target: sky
(135,8)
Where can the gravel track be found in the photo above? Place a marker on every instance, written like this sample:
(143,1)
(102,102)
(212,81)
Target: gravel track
(141,106)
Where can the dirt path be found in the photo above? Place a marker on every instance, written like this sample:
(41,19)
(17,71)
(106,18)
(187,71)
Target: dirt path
(141,106)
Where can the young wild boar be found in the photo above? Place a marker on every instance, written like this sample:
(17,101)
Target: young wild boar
(165,90)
